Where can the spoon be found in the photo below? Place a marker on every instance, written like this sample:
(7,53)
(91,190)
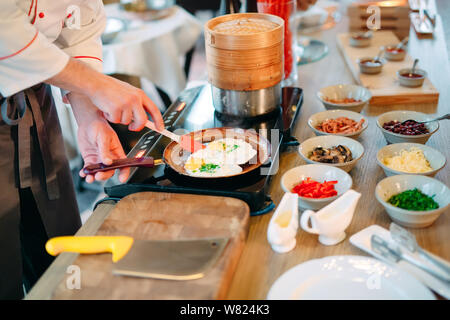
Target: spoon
(402,43)
(416,61)
(377,58)
(367,34)
(447,116)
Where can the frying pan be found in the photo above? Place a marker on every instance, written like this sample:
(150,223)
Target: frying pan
(175,157)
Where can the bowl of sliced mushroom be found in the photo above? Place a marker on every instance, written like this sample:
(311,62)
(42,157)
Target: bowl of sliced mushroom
(336,151)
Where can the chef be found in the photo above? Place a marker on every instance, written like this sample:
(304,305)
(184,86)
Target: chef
(42,43)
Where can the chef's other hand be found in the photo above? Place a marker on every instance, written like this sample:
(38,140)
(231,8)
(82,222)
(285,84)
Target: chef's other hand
(119,101)
(125,104)
(304,5)
(98,142)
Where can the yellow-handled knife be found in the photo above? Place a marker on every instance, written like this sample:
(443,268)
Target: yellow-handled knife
(160,259)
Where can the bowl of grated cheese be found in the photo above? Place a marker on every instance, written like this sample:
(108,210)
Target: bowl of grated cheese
(410,158)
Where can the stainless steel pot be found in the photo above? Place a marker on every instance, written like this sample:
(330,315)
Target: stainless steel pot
(246,103)
(144,5)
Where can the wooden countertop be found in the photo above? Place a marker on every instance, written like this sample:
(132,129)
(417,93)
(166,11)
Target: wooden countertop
(259,266)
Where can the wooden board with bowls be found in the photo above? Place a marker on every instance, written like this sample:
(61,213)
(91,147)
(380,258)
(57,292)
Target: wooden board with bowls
(385,87)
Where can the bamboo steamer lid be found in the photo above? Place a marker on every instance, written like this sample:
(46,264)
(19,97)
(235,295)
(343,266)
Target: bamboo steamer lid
(248,60)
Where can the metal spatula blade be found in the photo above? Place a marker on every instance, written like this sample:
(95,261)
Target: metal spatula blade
(186,141)
(160,259)
(171,260)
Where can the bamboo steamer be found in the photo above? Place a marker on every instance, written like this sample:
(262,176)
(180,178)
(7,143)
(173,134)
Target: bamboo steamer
(244,62)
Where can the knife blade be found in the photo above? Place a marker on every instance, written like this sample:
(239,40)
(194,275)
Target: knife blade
(160,259)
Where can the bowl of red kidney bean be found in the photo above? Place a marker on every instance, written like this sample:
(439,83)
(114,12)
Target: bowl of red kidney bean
(404,126)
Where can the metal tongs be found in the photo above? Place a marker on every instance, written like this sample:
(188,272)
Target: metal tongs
(408,240)
(394,253)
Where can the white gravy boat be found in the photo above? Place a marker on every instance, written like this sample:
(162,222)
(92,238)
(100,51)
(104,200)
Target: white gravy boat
(283,225)
(331,221)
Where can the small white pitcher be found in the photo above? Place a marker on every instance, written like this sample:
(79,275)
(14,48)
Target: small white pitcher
(331,221)
(283,225)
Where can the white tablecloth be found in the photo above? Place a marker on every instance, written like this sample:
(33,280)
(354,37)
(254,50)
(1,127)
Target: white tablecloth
(154,49)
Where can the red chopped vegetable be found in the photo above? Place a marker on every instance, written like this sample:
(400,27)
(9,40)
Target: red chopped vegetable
(310,188)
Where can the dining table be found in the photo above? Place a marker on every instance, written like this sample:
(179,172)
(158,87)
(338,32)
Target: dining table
(259,266)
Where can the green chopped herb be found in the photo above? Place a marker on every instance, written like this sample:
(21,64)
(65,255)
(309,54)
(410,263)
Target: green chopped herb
(209,167)
(232,147)
(413,200)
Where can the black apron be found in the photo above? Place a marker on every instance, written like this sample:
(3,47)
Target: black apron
(37,196)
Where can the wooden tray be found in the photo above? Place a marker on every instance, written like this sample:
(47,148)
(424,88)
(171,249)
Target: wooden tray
(162,216)
(384,86)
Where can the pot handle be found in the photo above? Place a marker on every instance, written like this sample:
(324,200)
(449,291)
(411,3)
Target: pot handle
(148,162)
(304,222)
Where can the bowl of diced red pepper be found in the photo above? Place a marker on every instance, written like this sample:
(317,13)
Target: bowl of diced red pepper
(317,185)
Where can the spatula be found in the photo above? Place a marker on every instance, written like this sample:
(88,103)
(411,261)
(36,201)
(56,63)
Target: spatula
(159,259)
(186,142)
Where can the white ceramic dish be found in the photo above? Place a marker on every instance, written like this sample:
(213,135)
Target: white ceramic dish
(355,147)
(347,278)
(369,67)
(411,82)
(401,116)
(435,158)
(394,56)
(342,91)
(319,117)
(362,238)
(361,42)
(320,173)
(414,219)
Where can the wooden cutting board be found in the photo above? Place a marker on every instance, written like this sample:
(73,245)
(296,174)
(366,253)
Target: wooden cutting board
(164,216)
(385,86)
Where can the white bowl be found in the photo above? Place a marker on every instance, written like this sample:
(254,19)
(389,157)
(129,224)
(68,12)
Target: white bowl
(320,173)
(355,147)
(368,67)
(342,91)
(319,117)
(435,158)
(401,116)
(360,42)
(414,219)
(391,56)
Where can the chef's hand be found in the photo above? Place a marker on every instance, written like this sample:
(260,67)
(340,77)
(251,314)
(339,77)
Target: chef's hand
(304,5)
(119,101)
(98,142)
(125,104)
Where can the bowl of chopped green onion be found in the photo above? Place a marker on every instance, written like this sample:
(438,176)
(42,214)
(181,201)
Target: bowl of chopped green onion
(413,201)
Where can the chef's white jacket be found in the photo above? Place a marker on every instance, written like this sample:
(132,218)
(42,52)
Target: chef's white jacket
(37,37)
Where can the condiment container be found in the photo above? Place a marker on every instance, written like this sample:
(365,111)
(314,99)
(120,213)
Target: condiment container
(368,65)
(360,39)
(409,79)
(283,225)
(331,221)
(393,54)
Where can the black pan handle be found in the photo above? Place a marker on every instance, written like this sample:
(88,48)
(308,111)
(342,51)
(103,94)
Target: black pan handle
(147,162)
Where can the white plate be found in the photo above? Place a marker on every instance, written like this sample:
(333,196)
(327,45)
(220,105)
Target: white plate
(347,278)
